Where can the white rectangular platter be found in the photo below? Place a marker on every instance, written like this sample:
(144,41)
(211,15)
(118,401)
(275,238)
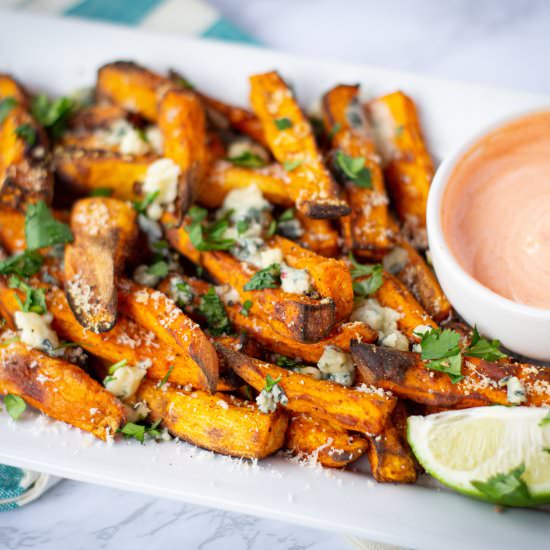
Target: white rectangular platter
(61,55)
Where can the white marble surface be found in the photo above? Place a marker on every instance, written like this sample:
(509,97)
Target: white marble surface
(500,42)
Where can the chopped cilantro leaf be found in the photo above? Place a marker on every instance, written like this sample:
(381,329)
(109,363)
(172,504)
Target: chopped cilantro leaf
(53,114)
(138,431)
(271,228)
(287,215)
(165,378)
(286,362)
(269,277)
(35,298)
(246,307)
(142,205)
(283,123)
(354,169)
(247,159)
(366,287)
(15,405)
(101,192)
(160,269)
(442,351)
(483,348)
(6,105)
(271,382)
(208,236)
(25,264)
(507,489)
(42,229)
(27,133)
(242,226)
(290,165)
(213,310)
(335,129)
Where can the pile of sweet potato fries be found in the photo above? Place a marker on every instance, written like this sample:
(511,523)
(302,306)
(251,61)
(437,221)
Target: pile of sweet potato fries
(246,280)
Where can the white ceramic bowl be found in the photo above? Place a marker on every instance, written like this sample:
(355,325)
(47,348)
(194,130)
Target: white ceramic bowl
(522,329)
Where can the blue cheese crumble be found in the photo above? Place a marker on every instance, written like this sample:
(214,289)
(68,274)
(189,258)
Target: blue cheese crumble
(336,365)
(267,401)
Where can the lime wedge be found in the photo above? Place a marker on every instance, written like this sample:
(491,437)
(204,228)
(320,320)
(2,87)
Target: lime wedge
(497,454)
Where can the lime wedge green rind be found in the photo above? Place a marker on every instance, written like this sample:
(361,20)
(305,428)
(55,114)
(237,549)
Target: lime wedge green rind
(460,447)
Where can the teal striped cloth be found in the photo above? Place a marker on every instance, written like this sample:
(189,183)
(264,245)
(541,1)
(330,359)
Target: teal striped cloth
(192,17)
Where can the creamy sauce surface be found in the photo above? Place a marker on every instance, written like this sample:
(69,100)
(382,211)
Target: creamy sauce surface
(495,211)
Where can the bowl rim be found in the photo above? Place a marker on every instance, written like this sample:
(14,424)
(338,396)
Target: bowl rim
(436,239)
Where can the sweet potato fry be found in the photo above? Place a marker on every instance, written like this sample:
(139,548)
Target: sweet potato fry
(362,411)
(406,375)
(390,456)
(262,332)
(59,389)
(319,236)
(126,340)
(12,230)
(25,175)
(315,192)
(104,230)
(82,171)
(154,311)
(221,423)
(223,177)
(331,277)
(408,166)
(330,445)
(132,87)
(182,122)
(394,294)
(297,316)
(410,268)
(366,228)
(96,116)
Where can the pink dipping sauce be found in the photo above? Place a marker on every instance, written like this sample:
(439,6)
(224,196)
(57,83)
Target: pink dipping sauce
(495,211)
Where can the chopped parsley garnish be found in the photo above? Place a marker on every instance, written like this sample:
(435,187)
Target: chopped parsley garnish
(272,227)
(270,383)
(25,264)
(160,245)
(287,215)
(6,105)
(442,351)
(283,123)
(290,165)
(246,307)
(286,362)
(52,114)
(164,379)
(184,293)
(369,286)
(35,298)
(242,226)
(138,431)
(142,205)
(506,489)
(247,159)
(42,229)
(113,369)
(545,421)
(483,348)
(185,83)
(101,192)
(27,133)
(269,277)
(159,269)
(354,169)
(335,129)
(15,405)
(213,310)
(208,236)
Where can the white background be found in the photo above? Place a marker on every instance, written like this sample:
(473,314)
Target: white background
(504,43)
